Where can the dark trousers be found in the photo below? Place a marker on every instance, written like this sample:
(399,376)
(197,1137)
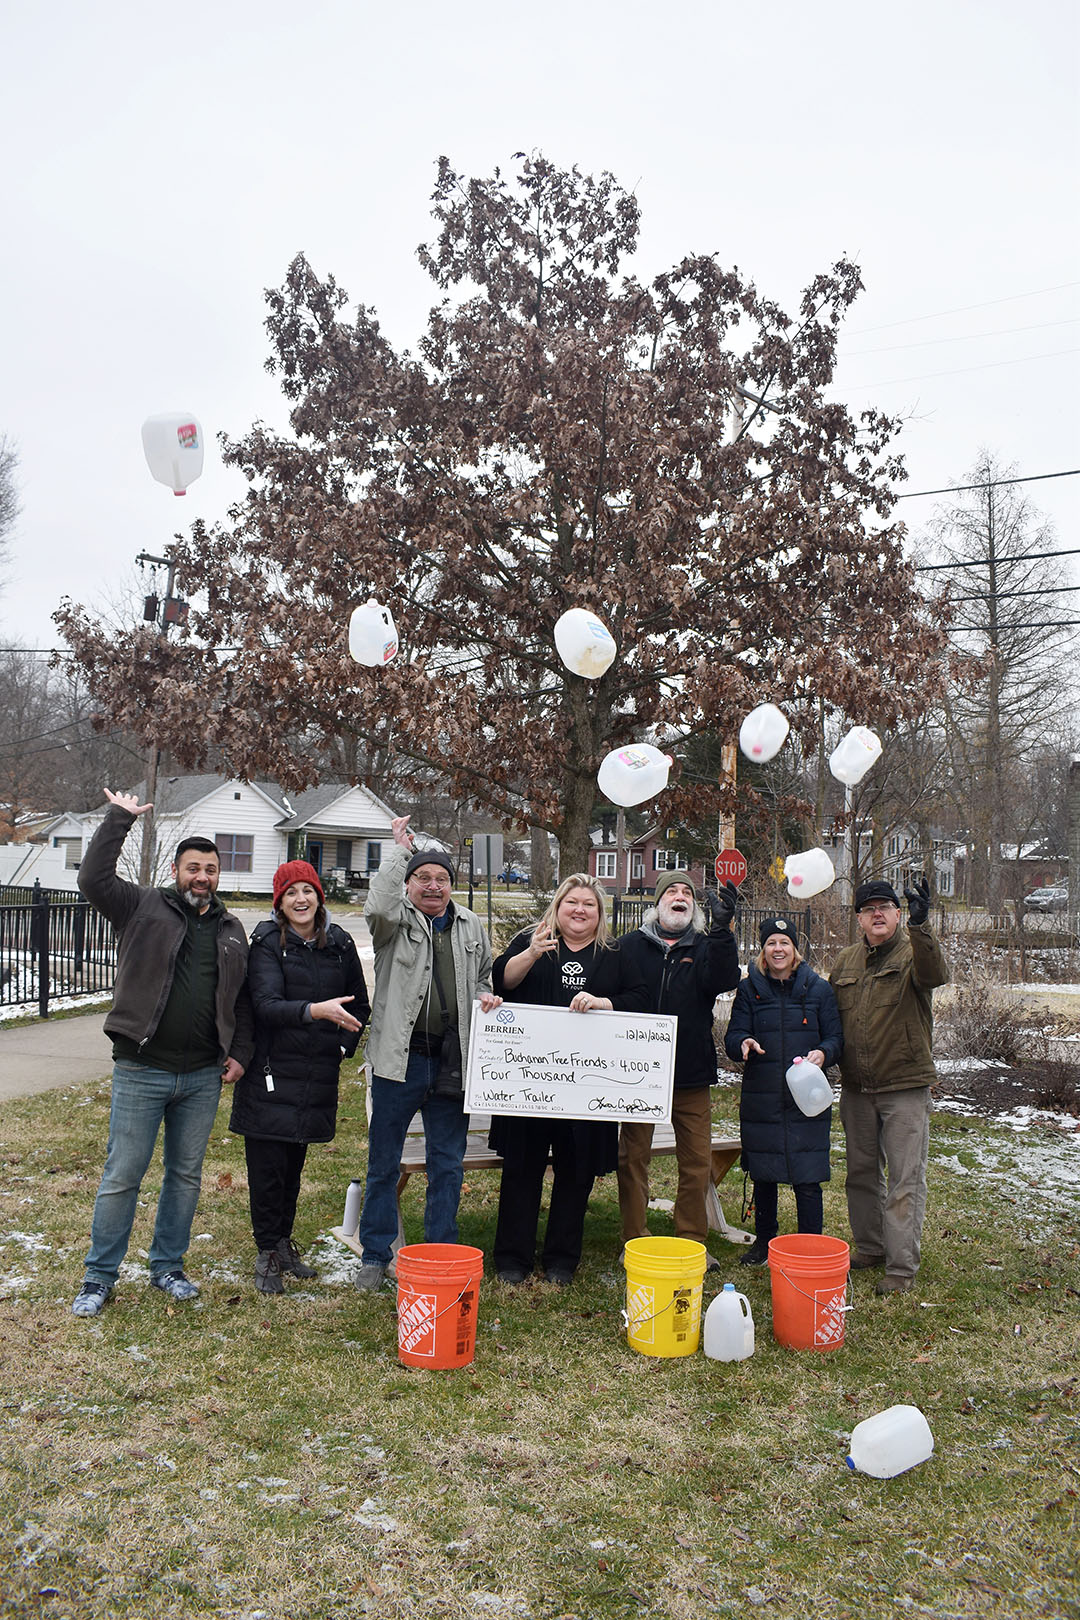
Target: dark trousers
(524,1161)
(808,1207)
(273,1170)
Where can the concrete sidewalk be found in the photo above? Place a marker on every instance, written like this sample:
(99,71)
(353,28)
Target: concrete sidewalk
(52,1053)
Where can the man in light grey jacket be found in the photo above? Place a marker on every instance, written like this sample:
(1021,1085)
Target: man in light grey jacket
(432,961)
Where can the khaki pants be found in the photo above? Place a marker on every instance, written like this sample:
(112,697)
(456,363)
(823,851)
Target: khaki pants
(692,1119)
(888,1140)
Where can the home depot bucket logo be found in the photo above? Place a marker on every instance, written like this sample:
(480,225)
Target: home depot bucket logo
(641,1309)
(416,1324)
(829,1318)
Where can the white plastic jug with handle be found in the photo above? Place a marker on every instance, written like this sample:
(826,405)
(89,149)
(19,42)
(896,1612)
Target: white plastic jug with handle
(854,754)
(809,1087)
(372,634)
(631,775)
(584,643)
(763,732)
(729,1326)
(808,873)
(890,1442)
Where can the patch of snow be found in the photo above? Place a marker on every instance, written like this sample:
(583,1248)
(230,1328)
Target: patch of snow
(1038,1174)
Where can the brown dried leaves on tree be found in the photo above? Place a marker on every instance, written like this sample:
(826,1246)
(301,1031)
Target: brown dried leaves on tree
(565,435)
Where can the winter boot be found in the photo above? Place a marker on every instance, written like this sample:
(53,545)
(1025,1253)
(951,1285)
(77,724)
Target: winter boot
(268,1279)
(289,1256)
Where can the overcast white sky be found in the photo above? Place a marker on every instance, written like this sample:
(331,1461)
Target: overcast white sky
(165,164)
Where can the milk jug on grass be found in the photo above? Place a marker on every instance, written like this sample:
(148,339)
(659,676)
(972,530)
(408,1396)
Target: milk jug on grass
(762,733)
(809,1087)
(890,1442)
(631,775)
(584,643)
(854,754)
(729,1326)
(372,634)
(808,873)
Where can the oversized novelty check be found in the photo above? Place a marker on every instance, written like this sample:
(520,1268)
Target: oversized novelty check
(548,1060)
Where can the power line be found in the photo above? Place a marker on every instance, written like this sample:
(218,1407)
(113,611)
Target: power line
(967,337)
(994,483)
(911,320)
(962,371)
(984,562)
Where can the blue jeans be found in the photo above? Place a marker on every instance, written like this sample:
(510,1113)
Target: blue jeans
(446,1129)
(142,1099)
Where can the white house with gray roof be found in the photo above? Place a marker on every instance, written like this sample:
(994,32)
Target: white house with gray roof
(340,828)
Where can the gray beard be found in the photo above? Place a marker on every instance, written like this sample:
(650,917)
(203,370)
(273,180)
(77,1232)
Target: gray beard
(196,902)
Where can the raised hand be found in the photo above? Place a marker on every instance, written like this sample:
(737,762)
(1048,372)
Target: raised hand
(918,899)
(722,904)
(128,801)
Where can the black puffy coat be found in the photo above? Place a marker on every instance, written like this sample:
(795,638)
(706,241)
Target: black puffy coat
(685,979)
(302,1058)
(788,1018)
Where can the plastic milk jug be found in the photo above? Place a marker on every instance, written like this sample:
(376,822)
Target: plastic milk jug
(808,873)
(762,733)
(631,775)
(854,754)
(173,447)
(809,1087)
(372,634)
(729,1326)
(890,1442)
(584,643)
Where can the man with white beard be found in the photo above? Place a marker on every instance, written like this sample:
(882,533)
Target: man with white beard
(685,964)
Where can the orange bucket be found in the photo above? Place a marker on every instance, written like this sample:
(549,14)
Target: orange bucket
(438,1285)
(809,1274)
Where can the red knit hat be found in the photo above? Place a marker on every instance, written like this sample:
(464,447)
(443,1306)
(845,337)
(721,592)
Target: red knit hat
(295,872)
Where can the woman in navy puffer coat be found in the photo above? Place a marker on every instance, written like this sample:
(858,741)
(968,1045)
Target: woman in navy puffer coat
(782,1010)
(310,1003)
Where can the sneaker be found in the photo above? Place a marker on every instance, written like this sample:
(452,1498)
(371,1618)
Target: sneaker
(90,1300)
(711,1263)
(369,1277)
(895,1285)
(558,1276)
(511,1275)
(757,1254)
(289,1256)
(268,1279)
(175,1284)
(867,1262)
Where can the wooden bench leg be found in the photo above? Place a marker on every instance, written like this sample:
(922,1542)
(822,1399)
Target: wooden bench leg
(722,1161)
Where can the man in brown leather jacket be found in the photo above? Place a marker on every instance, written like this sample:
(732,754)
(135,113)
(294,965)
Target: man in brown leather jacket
(883,987)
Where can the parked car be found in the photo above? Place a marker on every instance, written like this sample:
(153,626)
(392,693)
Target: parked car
(510,874)
(1054,897)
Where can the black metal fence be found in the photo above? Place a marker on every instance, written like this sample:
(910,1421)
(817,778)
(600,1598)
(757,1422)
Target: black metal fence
(52,947)
(627,914)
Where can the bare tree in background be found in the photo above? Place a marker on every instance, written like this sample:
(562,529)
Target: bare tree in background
(1009,612)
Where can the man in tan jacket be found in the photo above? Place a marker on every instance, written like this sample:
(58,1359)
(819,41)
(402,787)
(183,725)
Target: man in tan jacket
(883,986)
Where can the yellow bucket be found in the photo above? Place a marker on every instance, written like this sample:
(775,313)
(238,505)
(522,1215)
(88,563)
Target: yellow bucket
(663,1295)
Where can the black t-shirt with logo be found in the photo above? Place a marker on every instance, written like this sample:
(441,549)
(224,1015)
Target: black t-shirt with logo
(574,970)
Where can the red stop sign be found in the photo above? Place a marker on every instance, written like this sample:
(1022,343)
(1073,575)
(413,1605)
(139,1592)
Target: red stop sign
(730,867)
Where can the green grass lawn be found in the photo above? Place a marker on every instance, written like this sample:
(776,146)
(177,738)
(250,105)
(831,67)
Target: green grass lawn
(271,1457)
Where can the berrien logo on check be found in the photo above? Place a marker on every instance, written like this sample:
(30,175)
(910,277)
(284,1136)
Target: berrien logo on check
(504,1016)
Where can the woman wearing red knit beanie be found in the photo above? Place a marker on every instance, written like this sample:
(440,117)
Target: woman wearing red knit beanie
(311,1004)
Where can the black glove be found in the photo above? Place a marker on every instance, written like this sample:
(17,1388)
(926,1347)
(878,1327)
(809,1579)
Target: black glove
(722,904)
(918,899)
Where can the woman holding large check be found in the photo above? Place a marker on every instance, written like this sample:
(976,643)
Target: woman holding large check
(568,960)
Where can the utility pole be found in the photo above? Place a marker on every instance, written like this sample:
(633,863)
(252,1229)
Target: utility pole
(168,611)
